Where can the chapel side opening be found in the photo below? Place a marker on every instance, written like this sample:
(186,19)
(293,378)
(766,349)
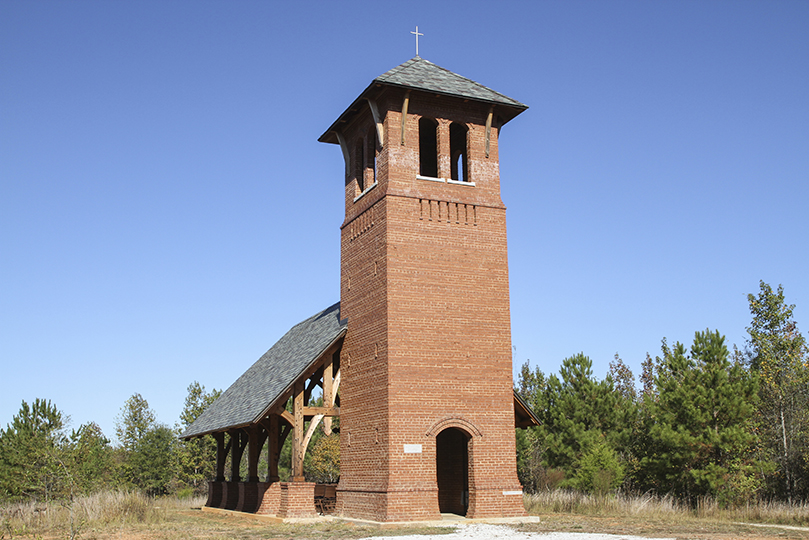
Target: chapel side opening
(428,147)
(452,471)
(458,152)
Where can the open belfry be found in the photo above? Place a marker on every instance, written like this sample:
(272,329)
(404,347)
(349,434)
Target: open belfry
(415,359)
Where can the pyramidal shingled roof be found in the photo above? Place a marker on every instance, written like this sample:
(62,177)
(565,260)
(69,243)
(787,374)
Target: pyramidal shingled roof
(422,74)
(272,374)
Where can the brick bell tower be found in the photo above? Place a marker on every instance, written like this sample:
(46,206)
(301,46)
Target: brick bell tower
(426,399)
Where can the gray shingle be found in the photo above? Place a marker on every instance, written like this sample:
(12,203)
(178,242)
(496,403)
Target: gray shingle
(272,374)
(422,74)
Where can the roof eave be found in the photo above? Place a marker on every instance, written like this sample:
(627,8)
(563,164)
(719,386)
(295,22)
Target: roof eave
(274,402)
(507,110)
(305,370)
(329,136)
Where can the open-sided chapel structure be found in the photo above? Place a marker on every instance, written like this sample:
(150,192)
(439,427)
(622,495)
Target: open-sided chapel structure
(415,359)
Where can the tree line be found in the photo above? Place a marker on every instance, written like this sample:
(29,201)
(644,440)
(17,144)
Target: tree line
(42,460)
(706,421)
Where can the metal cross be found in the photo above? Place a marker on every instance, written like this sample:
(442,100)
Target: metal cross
(417,34)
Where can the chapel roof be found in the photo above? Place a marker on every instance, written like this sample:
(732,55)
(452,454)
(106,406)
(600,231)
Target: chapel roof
(420,74)
(250,397)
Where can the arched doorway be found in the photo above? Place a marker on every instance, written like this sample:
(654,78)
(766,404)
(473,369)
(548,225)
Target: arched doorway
(452,470)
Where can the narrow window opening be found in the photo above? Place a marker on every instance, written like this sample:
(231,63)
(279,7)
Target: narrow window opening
(459,169)
(371,153)
(359,166)
(428,147)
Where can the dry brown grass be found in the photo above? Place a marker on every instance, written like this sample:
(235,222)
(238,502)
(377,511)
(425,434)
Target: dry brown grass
(648,515)
(654,507)
(130,515)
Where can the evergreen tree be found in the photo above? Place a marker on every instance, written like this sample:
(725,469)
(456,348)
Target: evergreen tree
(153,462)
(778,353)
(579,414)
(90,458)
(697,426)
(30,449)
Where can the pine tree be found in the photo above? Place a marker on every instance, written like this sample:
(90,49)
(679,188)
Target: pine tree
(698,424)
(581,414)
(30,447)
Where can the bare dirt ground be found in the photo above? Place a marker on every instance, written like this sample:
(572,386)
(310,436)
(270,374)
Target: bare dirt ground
(182,524)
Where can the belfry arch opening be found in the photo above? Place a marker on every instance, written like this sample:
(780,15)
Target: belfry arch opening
(452,470)
(459,169)
(428,147)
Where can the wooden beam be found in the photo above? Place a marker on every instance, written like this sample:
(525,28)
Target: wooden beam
(328,394)
(404,114)
(273,449)
(298,434)
(253,452)
(221,456)
(380,127)
(489,129)
(325,411)
(288,417)
(346,155)
(238,442)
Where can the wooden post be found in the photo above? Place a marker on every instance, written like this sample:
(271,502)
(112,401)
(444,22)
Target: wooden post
(236,451)
(328,391)
(253,451)
(221,456)
(273,449)
(298,435)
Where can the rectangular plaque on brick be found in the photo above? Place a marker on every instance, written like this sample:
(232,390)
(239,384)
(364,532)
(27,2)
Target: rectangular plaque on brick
(412,449)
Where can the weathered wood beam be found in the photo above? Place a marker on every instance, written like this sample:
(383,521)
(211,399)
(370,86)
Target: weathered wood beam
(328,394)
(489,129)
(404,114)
(238,442)
(287,416)
(325,411)
(221,455)
(380,127)
(346,155)
(273,431)
(255,442)
(298,434)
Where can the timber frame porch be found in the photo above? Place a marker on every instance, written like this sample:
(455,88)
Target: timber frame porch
(306,358)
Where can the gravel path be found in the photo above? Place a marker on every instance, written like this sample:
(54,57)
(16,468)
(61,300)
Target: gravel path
(480,531)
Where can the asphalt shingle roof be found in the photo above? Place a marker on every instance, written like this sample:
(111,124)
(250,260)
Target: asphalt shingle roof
(422,74)
(272,374)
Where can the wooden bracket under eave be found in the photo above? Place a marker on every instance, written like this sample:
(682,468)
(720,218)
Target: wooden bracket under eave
(380,128)
(404,114)
(489,129)
(346,155)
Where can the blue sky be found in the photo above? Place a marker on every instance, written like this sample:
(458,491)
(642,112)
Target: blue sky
(166,212)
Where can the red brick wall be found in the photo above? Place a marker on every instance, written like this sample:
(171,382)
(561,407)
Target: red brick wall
(424,284)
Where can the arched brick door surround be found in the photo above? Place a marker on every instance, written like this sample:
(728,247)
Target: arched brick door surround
(456,422)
